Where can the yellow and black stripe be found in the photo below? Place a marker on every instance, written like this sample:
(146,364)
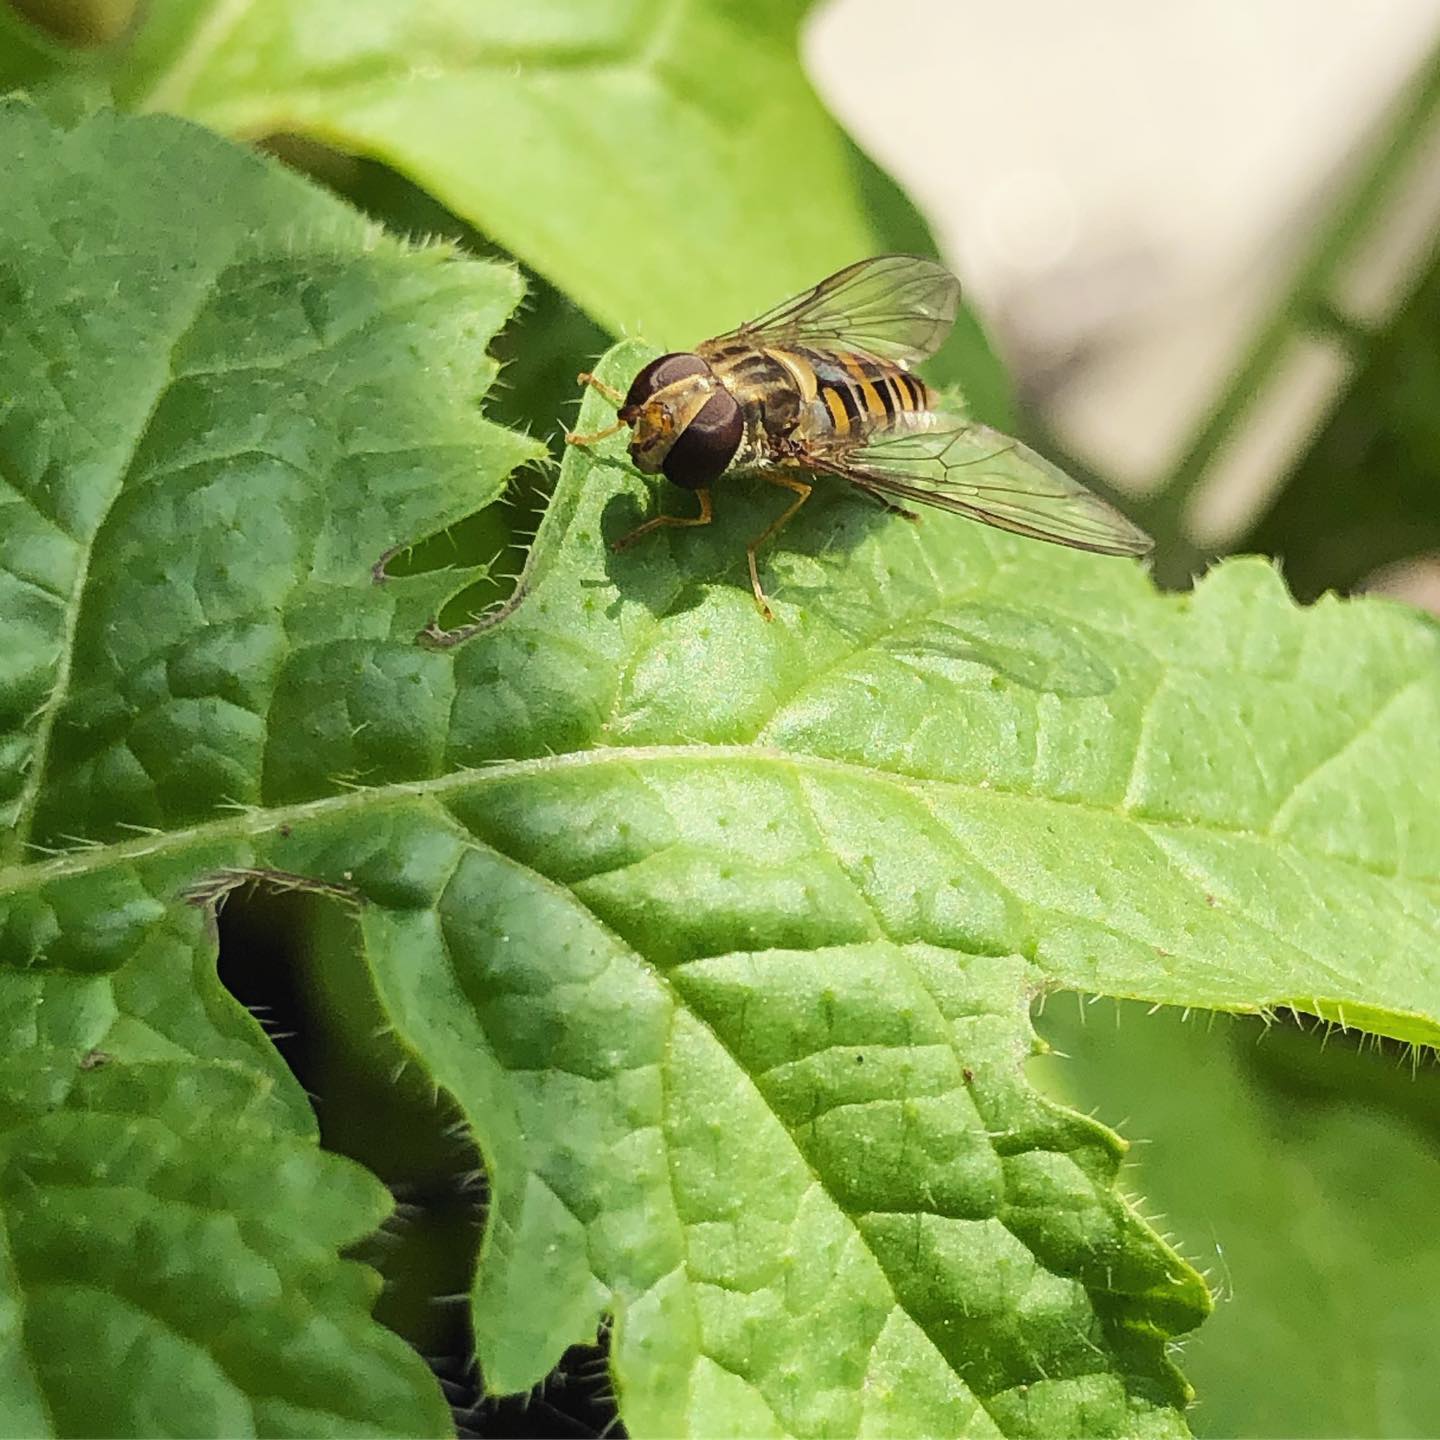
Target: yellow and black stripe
(861,393)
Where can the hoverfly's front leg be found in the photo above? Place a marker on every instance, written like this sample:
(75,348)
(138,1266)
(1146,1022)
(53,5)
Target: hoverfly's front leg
(802,493)
(612,395)
(573,437)
(663,522)
(595,383)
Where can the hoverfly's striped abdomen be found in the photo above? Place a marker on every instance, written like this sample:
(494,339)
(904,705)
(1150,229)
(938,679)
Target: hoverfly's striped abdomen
(860,394)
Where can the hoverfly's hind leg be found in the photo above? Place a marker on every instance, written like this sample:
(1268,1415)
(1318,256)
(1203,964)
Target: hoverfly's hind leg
(612,395)
(802,494)
(665,522)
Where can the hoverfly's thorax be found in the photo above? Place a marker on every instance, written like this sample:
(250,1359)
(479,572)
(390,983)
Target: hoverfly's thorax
(769,388)
(685,424)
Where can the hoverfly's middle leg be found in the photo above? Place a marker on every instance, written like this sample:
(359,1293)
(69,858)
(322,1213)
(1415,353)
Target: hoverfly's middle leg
(662,522)
(612,395)
(888,506)
(802,494)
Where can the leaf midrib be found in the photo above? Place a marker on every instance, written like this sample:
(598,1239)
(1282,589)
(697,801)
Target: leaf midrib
(817,1177)
(259,820)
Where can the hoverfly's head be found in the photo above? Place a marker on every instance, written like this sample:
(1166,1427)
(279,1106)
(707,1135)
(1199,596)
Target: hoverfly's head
(687,425)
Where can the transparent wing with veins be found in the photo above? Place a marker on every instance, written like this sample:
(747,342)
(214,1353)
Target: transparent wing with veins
(975,471)
(894,307)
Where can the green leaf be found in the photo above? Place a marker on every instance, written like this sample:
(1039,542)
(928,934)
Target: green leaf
(1303,1173)
(721,934)
(27,55)
(203,426)
(664,163)
(171,1267)
(520,119)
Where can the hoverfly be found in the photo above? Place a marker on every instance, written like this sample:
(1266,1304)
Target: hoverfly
(822,385)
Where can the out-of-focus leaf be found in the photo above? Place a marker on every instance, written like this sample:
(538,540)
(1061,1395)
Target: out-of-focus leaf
(1302,1177)
(1367,491)
(663,163)
(1310,307)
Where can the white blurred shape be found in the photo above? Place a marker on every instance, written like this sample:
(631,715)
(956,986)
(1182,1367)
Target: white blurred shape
(1122,186)
(1249,471)
(1415,581)
(1029,220)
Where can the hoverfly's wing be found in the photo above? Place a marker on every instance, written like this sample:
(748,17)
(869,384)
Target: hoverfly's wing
(894,307)
(978,472)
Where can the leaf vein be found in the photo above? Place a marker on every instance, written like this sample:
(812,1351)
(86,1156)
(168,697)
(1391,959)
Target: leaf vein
(48,714)
(1284,810)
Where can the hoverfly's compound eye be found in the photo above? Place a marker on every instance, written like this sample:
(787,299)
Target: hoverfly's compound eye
(704,448)
(660,373)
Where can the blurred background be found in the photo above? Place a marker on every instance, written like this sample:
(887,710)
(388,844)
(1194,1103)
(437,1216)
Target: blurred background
(1138,197)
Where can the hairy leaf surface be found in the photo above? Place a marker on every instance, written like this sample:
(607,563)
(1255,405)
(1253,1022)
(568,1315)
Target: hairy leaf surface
(1299,1169)
(721,933)
(206,431)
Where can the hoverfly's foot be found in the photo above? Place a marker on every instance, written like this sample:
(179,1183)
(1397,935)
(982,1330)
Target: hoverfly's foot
(802,493)
(761,603)
(608,391)
(630,537)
